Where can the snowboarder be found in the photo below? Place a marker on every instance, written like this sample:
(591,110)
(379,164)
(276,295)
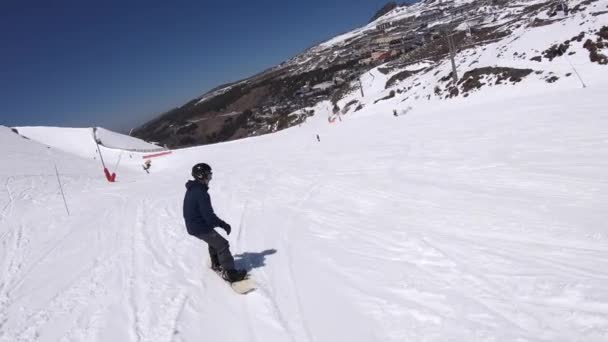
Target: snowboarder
(201,221)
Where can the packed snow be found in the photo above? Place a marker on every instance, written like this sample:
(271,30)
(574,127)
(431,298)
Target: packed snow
(468,221)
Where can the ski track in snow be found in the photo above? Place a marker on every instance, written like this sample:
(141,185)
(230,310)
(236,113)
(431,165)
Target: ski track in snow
(262,294)
(8,206)
(302,329)
(149,269)
(84,286)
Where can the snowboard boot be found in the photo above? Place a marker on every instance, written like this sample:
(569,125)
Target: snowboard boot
(215,261)
(232,276)
(216,267)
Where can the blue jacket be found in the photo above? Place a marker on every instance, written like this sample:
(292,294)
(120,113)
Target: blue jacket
(198,212)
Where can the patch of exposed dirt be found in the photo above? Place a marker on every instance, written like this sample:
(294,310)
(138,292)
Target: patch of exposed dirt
(447,77)
(389,96)
(603,33)
(595,47)
(400,76)
(594,55)
(578,38)
(385,71)
(477,78)
(348,106)
(474,79)
(551,79)
(537,58)
(540,22)
(556,50)
(536,7)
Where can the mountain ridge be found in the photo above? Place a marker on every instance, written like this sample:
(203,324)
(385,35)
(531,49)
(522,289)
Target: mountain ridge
(284,95)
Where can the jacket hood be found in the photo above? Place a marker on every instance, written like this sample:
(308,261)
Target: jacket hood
(196,184)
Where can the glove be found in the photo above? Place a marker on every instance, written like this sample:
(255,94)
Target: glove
(225,226)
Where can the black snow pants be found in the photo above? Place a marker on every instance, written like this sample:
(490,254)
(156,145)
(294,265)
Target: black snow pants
(219,250)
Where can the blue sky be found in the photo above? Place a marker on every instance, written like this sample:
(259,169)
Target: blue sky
(117,64)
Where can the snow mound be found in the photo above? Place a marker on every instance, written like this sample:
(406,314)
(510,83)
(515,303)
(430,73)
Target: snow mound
(81,141)
(124,142)
(77,141)
(22,156)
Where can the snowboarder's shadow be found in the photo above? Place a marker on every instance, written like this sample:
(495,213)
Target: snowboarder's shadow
(248,260)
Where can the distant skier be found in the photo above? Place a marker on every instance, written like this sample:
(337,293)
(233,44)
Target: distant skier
(395,112)
(147,165)
(318,138)
(201,221)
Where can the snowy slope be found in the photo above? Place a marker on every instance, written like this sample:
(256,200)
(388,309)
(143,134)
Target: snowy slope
(476,220)
(431,86)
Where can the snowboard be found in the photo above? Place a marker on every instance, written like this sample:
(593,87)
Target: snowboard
(244,286)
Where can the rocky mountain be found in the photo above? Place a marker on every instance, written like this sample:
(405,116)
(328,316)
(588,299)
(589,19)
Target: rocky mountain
(389,6)
(402,57)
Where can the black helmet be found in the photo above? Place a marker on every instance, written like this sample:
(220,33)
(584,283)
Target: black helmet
(201,171)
